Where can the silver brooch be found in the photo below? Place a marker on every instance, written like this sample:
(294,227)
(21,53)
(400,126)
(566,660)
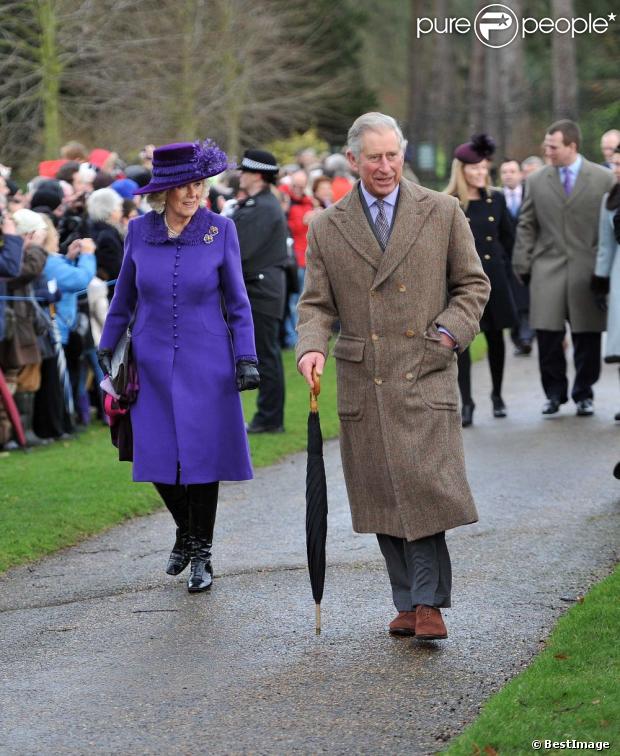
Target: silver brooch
(214,230)
(207,238)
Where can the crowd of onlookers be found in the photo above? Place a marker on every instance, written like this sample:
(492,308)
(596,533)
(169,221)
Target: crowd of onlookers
(72,219)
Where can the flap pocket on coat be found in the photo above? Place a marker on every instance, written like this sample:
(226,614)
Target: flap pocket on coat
(351,375)
(437,379)
(349,348)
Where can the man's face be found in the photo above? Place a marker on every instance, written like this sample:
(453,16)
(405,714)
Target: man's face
(558,153)
(510,173)
(299,182)
(250,182)
(608,145)
(380,164)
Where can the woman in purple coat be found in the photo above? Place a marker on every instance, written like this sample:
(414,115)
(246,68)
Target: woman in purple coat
(193,343)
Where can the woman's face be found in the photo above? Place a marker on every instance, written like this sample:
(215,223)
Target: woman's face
(615,165)
(324,192)
(185,200)
(116,215)
(476,174)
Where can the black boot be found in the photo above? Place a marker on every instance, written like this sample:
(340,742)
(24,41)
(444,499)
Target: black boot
(24,400)
(201,571)
(499,408)
(467,414)
(175,498)
(202,510)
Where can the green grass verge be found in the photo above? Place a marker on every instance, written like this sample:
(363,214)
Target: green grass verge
(57,495)
(570,692)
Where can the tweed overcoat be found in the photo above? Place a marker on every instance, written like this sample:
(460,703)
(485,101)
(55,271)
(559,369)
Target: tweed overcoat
(188,409)
(400,432)
(556,244)
(608,266)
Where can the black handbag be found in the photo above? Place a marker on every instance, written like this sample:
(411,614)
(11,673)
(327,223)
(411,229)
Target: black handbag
(121,357)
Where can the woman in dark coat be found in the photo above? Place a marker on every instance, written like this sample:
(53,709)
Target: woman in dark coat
(181,264)
(494,234)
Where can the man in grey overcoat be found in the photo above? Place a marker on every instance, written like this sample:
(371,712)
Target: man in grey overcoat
(397,266)
(555,252)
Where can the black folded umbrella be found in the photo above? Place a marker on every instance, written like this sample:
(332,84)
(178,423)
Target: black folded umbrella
(316,503)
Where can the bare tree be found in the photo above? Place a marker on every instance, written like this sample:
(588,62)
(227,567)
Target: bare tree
(564,64)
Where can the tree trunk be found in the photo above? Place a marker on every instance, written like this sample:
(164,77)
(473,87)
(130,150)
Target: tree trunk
(233,79)
(416,88)
(51,70)
(476,86)
(513,93)
(564,63)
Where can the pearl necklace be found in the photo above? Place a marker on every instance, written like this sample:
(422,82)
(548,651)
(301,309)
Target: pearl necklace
(172,234)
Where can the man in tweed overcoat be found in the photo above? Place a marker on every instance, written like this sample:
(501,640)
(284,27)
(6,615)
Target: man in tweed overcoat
(396,265)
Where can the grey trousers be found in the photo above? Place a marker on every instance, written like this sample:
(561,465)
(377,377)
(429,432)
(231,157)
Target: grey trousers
(420,571)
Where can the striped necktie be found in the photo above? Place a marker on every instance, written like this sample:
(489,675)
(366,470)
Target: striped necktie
(381,224)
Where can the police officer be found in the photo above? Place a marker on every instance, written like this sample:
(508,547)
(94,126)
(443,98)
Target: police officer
(493,230)
(261,226)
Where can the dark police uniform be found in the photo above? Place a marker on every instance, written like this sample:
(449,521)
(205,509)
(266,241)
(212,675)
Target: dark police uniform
(262,231)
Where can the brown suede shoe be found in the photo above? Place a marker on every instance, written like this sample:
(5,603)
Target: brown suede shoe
(403,624)
(429,623)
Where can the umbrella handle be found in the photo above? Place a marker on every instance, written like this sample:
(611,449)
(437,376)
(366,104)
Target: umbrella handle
(316,390)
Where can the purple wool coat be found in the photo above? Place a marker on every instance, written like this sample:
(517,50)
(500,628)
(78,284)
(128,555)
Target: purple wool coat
(188,409)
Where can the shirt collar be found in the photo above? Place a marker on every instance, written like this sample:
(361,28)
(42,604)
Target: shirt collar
(575,166)
(371,199)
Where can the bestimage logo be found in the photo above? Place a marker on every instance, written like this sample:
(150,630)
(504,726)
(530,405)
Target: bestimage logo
(497,25)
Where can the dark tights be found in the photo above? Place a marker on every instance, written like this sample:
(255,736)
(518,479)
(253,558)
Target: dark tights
(496,355)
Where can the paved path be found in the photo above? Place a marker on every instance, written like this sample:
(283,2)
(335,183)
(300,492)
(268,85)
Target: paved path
(102,653)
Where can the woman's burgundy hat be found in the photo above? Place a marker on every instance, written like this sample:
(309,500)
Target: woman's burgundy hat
(183,162)
(480,147)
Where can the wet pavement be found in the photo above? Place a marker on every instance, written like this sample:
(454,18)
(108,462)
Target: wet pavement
(102,653)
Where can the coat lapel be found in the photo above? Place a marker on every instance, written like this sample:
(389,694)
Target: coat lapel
(414,206)
(582,182)
(553,178)
(353,224)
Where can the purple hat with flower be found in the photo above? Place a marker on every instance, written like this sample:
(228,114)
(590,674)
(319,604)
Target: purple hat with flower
(183,162)
(480,147)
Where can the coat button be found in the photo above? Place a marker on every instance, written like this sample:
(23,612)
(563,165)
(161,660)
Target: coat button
(402,288)
(489,238)
(469,220)
(373,293)
(176,346)
(174,306)
(374,337)
(378,381)
(409,376)
(487,257)
(175,315)
(409,333)
(491,218)
(489,200)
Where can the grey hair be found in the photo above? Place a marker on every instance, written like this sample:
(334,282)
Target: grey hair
(102,203)
(533,160)
(372,122)
(157,200)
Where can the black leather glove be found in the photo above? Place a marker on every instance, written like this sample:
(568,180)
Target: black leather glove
(104,358)
(525,278)
(247,376)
